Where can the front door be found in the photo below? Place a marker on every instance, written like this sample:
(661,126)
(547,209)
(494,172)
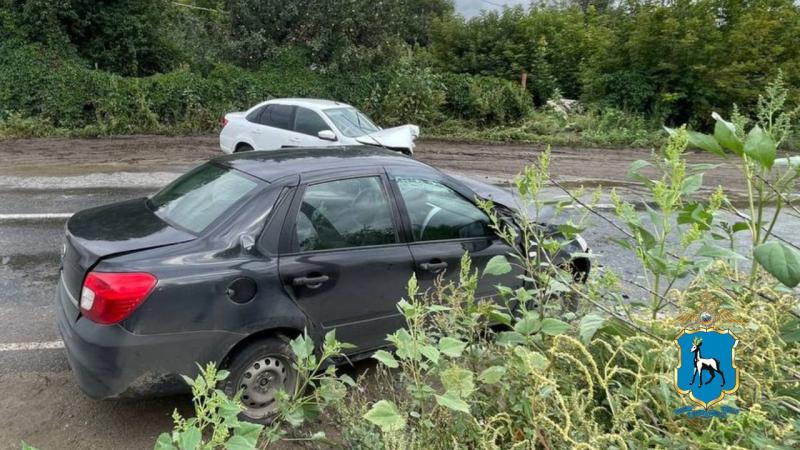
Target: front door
(444,225)
(346,267)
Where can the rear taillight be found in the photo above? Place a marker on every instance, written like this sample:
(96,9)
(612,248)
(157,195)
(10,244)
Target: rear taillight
(223,121)
(108,298)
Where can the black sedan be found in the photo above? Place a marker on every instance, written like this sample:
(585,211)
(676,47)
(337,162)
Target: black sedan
(245,252)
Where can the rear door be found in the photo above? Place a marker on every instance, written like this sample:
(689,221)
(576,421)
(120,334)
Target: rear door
(307,125)
(272,127)
(443,224)
(342,259)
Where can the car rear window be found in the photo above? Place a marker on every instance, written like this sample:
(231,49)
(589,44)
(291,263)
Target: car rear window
(199,197)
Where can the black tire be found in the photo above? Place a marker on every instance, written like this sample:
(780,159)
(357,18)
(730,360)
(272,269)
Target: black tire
(258,371)
(243,148)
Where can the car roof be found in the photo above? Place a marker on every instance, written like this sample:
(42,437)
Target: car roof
(270,165)
(312,103)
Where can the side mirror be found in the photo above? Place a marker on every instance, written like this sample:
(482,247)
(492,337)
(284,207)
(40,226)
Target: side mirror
(247,242)
(327,135)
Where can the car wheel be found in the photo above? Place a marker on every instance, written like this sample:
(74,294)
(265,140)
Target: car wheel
(258,371)
(243,148)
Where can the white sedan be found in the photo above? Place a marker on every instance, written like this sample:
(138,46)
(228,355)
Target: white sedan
(299,122)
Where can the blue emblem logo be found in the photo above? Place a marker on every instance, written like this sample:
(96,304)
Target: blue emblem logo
(707,365)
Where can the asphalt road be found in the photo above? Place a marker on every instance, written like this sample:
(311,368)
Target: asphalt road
(40,403)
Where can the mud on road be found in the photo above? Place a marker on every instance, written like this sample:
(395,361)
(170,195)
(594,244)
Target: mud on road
(575,166)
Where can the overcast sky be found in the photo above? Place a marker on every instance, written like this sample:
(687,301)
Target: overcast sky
(470,8)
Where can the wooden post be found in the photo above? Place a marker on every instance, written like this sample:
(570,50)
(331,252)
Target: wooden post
(523,80)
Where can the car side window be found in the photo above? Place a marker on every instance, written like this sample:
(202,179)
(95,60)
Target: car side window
(255,115)
(278,116)
(308,122)
(345,213)
(437,212)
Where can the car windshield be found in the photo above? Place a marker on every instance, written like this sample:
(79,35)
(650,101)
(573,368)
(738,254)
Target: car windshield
(351,122)
(198,198)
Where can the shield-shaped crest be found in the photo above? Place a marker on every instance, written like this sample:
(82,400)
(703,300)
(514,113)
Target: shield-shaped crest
(707,365)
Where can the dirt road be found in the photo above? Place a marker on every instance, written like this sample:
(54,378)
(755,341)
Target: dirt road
(588,166)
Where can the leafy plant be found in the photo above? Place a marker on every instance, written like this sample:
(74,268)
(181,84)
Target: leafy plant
(215,424)
(770,180)
(318,387)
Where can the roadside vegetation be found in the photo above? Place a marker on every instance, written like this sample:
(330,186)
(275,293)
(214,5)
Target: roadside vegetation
(154,66)
(561,364)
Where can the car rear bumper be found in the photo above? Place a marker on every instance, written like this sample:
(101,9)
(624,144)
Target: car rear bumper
(226,142)
(110,361)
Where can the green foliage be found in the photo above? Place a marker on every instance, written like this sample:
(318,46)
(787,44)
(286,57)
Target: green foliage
(318,387)
(486,100)
(767,182)
(129,37)
(216,423)
(676,61)
(342,33)
(601,378)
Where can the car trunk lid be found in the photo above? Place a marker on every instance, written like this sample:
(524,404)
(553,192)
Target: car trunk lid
(111,230)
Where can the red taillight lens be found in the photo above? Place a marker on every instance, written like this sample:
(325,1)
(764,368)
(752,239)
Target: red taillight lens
(108,298)
(223,121)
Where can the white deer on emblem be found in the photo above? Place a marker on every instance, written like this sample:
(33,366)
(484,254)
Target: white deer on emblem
(704,364)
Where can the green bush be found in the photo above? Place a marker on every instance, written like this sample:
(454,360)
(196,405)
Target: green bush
(486,100)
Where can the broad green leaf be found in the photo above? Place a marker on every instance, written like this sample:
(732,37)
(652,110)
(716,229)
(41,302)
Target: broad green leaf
(638,165)
(790,331)
(458,381)
(695,213)
(249,431)
(705,142)
(713,251)
(451,347)
(190,439)
(781,261)
(222,374)
(498,265)
(164,442)
(740,226)
(386,358)
(634,171)
(386,416)
(725,134)
(237,442)
(450,401)
(500,317)
(492,374)
(589,325)
(431,353)
(692,183)
(533,359)
(295,415)
(302,347)
(229,410)
(527,325)
(509,338)
(761,147)
(648,239)
(553,326)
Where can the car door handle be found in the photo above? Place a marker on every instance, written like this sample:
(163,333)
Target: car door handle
(311,282)
(433,267)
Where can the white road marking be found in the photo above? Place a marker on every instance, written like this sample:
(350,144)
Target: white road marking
(31,346)
(35,216)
